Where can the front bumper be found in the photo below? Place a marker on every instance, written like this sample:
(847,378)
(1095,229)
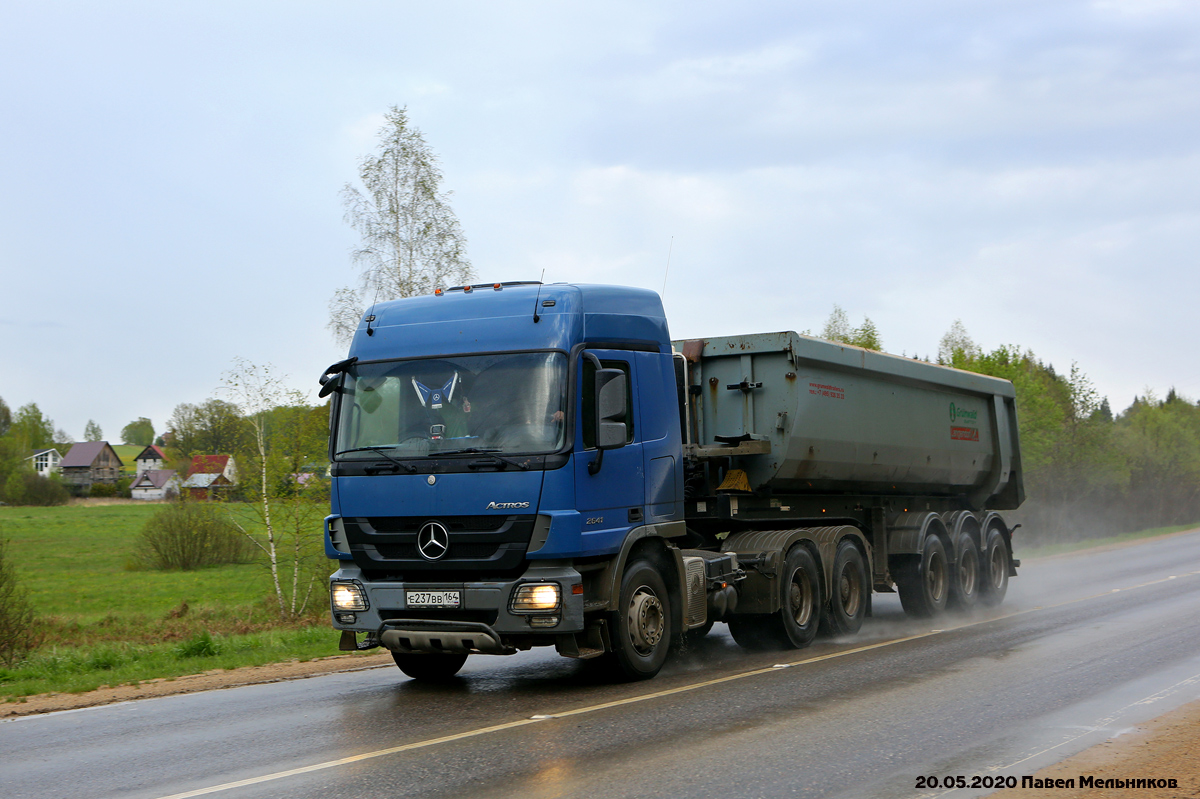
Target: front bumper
(485,604)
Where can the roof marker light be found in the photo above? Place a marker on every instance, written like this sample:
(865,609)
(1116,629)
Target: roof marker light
(438,292)
(467,289)
(497,286)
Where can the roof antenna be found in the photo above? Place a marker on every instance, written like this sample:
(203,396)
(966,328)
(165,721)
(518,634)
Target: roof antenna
(536,299)
(668,269)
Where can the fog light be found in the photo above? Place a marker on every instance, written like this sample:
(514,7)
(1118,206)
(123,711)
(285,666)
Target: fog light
(348,596)
(543,621)
(535,597)
(347,618)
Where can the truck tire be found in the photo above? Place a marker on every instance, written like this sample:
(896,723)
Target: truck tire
(795,624)
(848,592)
(964,587)
(431,667)
(996,563)
(924,583)
(642,623)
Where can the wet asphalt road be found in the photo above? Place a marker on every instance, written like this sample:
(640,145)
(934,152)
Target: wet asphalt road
(1084,647)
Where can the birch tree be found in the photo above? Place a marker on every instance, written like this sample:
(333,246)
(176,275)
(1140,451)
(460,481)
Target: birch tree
(286,517)
(411,239)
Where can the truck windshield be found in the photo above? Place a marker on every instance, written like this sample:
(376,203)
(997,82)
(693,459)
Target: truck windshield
(504,402)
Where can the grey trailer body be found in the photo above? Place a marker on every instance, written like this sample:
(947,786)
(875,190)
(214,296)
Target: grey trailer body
(839,419)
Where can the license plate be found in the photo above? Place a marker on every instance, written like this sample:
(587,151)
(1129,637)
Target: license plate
(433,599)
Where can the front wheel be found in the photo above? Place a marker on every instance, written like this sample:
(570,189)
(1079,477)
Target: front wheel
(642,623)
(431,667)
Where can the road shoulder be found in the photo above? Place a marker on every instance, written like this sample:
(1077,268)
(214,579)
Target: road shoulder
(1163,748)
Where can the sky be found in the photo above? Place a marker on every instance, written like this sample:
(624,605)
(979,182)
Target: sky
(170,176)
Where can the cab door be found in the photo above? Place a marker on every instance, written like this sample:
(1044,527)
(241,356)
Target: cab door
(612,500)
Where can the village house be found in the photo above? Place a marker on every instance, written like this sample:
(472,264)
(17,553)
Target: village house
(45,461)
(209,474)
(154,484)
(88,463)
(152,457)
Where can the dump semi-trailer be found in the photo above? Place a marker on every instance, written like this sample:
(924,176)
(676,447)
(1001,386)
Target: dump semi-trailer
(520,465)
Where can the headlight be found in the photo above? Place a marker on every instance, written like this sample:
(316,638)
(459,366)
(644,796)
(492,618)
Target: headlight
(348,596)
(535,598)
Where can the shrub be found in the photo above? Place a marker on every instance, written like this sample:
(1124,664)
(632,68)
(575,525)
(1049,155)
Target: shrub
(25,487)
(190,535)
(202,646)
(103,490)
(18,636)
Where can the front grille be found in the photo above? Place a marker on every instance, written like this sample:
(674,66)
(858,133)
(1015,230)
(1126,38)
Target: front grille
(457,551)
(413,524)
(479,545)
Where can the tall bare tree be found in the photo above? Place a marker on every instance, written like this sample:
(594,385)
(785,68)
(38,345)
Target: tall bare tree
(411,239)
(287,517)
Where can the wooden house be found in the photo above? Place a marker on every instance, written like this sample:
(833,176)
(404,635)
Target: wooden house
(88,463)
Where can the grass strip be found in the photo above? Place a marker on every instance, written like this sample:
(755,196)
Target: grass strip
(63,669)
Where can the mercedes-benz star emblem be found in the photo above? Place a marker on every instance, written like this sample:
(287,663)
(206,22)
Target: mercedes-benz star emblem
(433,541)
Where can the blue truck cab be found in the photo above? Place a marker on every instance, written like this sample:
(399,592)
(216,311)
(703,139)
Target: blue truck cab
(497,450)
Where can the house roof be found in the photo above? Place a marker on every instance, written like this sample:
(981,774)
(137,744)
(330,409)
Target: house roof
(208,464)
(37,452)
(85,453)
(151,453)
(203,480)
(153,478)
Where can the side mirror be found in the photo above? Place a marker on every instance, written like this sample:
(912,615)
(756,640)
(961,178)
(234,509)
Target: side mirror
(611,409)
(332,378)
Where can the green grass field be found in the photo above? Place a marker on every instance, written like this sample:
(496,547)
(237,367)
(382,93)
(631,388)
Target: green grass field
(109,620)
(74,560)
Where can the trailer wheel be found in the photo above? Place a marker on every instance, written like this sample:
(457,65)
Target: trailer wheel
(643,622)
(795,624)
(848,600)
(964,589)
(996,562)
(429,668)
(924,583)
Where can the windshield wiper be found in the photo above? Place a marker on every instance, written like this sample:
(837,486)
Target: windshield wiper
(381,450)
(489,452)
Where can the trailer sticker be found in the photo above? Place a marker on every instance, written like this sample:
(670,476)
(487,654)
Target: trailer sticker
(822,390)
(963,416)
(964,433)
(964,424)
